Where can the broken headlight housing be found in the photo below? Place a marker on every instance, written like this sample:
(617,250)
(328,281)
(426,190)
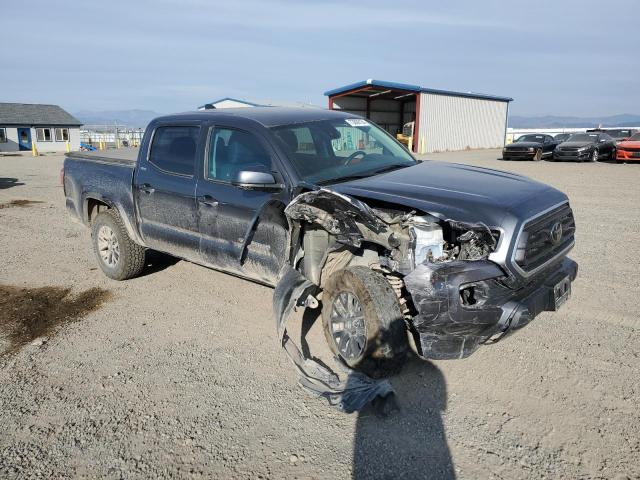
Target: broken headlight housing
(427,240)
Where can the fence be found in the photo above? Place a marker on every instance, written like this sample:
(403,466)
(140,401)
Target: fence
(111,136)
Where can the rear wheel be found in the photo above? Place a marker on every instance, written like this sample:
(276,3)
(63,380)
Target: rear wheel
(363,323)
(119,257)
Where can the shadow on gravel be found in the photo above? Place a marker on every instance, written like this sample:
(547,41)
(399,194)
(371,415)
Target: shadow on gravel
(7,182)
(156,262)
(401,435)
(411,442)
(30,313)
(19,203)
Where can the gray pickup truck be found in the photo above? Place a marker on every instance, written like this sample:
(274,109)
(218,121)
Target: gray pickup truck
(458,256)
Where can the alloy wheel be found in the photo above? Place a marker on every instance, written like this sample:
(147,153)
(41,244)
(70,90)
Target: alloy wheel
(348,328)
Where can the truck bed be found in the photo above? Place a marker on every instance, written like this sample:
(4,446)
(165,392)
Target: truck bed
(122,156)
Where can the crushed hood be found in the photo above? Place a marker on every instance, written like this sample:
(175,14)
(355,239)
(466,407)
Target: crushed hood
(455,191)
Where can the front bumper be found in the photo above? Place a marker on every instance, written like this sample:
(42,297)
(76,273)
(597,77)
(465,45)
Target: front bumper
(461,305)
(572,156)
(507,155)
(627,155)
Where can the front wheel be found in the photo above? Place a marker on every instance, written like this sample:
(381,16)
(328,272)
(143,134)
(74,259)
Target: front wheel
(363,323)
(595,155)
(119,257)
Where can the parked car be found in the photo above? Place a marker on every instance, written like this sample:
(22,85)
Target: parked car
(583,147)
(562,137)
(629,150)
(530,147)
(460,255)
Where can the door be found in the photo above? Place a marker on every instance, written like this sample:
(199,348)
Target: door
(242,229)
(24,138)
(164,190)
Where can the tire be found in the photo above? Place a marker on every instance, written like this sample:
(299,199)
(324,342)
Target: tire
(613,155)
(538,156)
(594,155)
(381,335)
(119,257)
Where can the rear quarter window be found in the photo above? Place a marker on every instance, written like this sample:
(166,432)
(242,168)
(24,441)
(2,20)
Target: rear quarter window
(173,149)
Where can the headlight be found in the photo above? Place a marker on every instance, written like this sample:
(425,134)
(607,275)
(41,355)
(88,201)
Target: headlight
(583,149)
(531,149)
(427,238)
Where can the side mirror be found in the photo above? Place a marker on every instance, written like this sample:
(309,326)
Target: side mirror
(251,179)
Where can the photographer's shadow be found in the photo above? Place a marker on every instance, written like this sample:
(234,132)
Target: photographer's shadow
(411,442)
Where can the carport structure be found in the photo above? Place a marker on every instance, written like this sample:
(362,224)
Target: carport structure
(444,120)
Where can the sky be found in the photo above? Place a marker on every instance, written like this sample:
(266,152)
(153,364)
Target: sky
(563,57)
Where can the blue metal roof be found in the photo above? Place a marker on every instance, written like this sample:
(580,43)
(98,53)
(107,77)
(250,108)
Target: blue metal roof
(413,88)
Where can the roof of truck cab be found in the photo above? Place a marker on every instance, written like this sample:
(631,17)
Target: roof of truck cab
(267,116)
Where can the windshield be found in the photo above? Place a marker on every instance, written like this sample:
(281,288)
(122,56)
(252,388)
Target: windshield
(635,137)
(619,133)
(583,137)
(333,150)
(531,138)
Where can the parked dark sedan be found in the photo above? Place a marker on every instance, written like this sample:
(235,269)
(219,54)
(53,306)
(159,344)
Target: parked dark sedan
(530,147)
(586,147)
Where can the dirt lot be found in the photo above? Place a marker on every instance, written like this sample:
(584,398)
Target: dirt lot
(178,373)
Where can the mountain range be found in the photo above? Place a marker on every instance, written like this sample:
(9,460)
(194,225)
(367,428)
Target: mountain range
(140,118)
(552,121)
(123,118)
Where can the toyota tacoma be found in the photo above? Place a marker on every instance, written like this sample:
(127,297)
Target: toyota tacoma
(334,213)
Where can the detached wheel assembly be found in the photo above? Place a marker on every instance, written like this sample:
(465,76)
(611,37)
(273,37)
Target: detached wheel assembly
(363,323)
(119,257)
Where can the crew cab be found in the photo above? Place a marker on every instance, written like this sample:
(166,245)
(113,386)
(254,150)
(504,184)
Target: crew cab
(455,255)
(534,146)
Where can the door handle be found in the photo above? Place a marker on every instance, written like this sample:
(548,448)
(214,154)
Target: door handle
(146,188)
(208,200)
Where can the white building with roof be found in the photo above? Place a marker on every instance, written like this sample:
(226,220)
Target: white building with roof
(49,127)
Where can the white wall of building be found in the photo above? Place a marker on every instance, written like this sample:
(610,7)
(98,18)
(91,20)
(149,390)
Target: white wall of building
(450,123)
(53,146)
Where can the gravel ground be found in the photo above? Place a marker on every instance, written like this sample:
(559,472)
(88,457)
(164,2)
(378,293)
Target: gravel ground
(178,373)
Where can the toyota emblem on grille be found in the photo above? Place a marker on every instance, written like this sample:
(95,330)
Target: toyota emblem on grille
(556,233)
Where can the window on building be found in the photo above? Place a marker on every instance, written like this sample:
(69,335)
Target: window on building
(43,134)
(174,149)
(3,135)
(62,134)
(232,151)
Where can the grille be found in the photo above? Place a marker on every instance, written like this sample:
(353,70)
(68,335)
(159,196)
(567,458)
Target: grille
(541,246)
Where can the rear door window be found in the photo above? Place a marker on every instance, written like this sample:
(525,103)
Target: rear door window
(173,149)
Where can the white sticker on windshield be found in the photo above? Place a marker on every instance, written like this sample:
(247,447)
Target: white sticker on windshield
(357,122)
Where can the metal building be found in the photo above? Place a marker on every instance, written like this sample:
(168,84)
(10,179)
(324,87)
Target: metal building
(442,120)
(228,102)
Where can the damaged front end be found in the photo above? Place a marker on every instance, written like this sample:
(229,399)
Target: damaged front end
(452,297)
